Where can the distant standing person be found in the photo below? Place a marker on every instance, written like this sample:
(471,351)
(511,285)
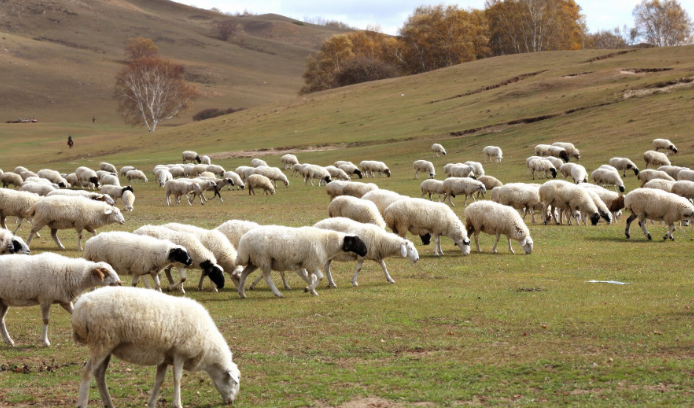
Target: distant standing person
(94,119)
(69,141)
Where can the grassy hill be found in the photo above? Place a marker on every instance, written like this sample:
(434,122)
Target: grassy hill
(59,57)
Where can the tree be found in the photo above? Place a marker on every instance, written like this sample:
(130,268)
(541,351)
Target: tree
(224,29)
(662,23)
(140,47)
(320,71)
(150,90)
(608,39)
(363,69)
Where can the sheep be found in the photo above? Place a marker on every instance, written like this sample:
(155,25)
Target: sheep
(258,163)
(296,169)
(542,166)
(111,180)
(559,152)
(491,152)
(425,167)
(101,173)
(317,172)
(656,159)
(570,149)
(16,204)
(190,156)
(579,174)
(649,174)
(20,169)
(72,179)
(350,168)
(125,169)
(624,164)
(379,245)
(12,244)
(382,199)
(477,168)
(87,176)
(45,279)
(371,166)
(41,189)
(359,210)
(54,177)
(525,197)
(489,184)
(26,174)
(436,149)
(203,258)
(337,174)
(425,218)
(460,170)
(656,205)
(341,162)
(660,184)
(128,200)
(599,204)
(64,212)
(135,255)
(686,174)
(542,150)
(664,144)
(9,177)
(136,175)
(528,171)
(198,169)
(179,188)
(282,248)
(205,160)
(177,171)
(114,192)
(108,167)
(672,171)
(684,188)
(555,161)
(350,188)
(255,181)
(235,178)
(562,195)
(432,187)
(289,160)
(493,218)
(151,328)
(163,176)
(273,173)
(39,180)
(454,186)
(89,194)
(189,170)
(206,174)
(215,169)
(605,177)
(613,201)
(234,230)
(245,171)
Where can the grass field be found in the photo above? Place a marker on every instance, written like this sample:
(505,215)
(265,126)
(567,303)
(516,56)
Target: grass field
(488,330)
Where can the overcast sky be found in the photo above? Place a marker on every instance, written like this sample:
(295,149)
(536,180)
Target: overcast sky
(390,14)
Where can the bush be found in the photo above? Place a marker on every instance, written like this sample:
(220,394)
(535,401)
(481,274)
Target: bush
(213,113)
(362,69)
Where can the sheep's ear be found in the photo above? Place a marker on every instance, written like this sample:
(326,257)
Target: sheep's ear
(100,273)
(108,211)
(403,249)
(234,376)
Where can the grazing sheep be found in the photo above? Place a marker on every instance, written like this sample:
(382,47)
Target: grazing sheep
(215,169)
(351,188)
(150,328)
(542,166)
(282,248)
(379,245)
(579,174)
(65,212)
(177,171)
(245,171)
(181,187)
(496,219)
(198,169)
(656,159)
(570,149)
(206,175)
(454,186)
(422,217)
(560,152)
(9,177)
(599,204)
(235,178)
(382,199)
(16,204)
(317,172)
(542,150)
(125,169)
(289,160)
(525,197)
(190,156)
(20,169)
(274,174)
(296,169)
(115,192)
(359,210)
(562,195)
(256,181)
(89,194)
(258,163)
(684,188)
(108,167)
(649,174)
(72,179)
(205,160)
(39,180)
(26,174)
(460,170)
(368,167)
(664,144)
(163,176)
(656,205)
(437,149)
(41,189)
(337,174)
(432,187)
(686,175)
(46,279)
(489,184)
(136,175)
(660,184)
(672,171)
(623,164)
(135,255)
(613,201)
(555,161)
(491,153)
(128,200)
(350,168)
(54,177)
(88,177)
(605,177)
(477,168)
(111,180)
(341,162)
(425,167)
(12,244)
(531,158)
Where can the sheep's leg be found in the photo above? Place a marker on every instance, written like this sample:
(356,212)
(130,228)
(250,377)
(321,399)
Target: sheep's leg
(35,227)
(19,220)
(135,280)
(144,281)
(69,307)
(284,281)
(544,213)
(177,374)
(4,225)
(356,273)
(270,283)
(329,274)
(496,241)
(95,360)
(3,329)
(255,282)
(631,219)
(155,279)
(477,241)
(671,230)
(250,268)
(45,312)
(317,273)
(54,234)
(158,380)
(415,174)
(79,239)
(385,271)
(510,249)
(642,224)
(100,375)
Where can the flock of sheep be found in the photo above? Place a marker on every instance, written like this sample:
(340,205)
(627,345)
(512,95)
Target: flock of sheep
(355,232)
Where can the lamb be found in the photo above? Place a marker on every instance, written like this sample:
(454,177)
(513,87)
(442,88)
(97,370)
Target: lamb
(686,175)
(235,178)
(16,204)
(163,176)
(432,187)
(258,163)
(164,330)
(80,213)
(179,188)
(350,168)
(660,184)
(570,149)
(493,218)
(382,199)
(542,150)
(379,245)
(656,205)
(273,173)
(489,184)
(542,166)
(477,168)
(290,249)
(684,188)
(559,152)
(562,195)
(317,172)
(108,167)
(624,164)
(649,174)
(422,217)
(128,200)
(289,160)
(125,169)
(531,158)
(664,144)
(215,169)
(29,280)
(12,244)
(655,158)
(454,186)
(135,255)
(525,197)
(359,210)
(337,174)
(371,166)
(87,176)
(607,177)
(256,181)
(672,171)
(491,152)
(110,180)
(205,160)
(613,201)
(350,188)
(190,156)
(9,177)
(296,169)
(203,258)
(54,177)
(436,149)
(425,167)
(41,189)
(89,194)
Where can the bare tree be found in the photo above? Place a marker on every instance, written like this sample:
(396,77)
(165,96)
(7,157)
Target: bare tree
(150,90)
(662,23)
(224,29)
(140,47)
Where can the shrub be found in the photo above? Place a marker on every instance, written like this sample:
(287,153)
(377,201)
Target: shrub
(363,69)
(213,113)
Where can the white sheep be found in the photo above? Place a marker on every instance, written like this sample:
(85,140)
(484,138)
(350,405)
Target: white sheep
(216,169)
(557,162)
(542,150)
(234,230)
(561,195)
(672,171)
(489,184)
(496,219)
(16,204)
(606,177)
(26,174)
(542,166)
(108,167)
(579,174)
(128,198)
(599,204)
(426,219)
(570,149)
(491,153)
(379,245)
(687,175)
(382,199)
(477,168)
(72,179)
(136,175)
(432,187)
(258,163)
(684,188)
(437,149)
(12,244)
(198,169)
(657,159)
(341,162)
(317,172)
(111,180)
(9,177)
(359,210)
(89,194)
(46,279)
(425,167)
(460,170)
(54,177)
(20,169)
(65,212)
(351,188)
(368,167)
(206,175)
(296,169)
(664,144)
(337,174)
(531,158)
(350,169)
(613,201)
(256,181)
(150,328)
(39,180)
(649,174)
(238,183)
(454,186)
(273,173)
(623,164)
(163,176)
(525,197)
(181,187)
(289,160)
(656,205)
(41,189)
(560,152)
(660,184)
(177,171)
(125,169)
(282,248)
(190,156)
(114,192)
(205,160)
(245,171)
(87,176)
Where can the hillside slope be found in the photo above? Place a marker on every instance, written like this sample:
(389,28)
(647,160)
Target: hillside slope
(58,57)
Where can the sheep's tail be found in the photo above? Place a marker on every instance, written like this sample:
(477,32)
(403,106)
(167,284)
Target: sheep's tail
(80,331)
(242,255)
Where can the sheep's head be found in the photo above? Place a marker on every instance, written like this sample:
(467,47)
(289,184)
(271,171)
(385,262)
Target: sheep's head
(115,215)
(94,181)
(636,170)
(227,381)
(432,175)
(62,185)
(554,172)
(358,173)
(354,244)
(387,171)
(426,238)
(286,183)
(621,189)
(564,156)
(408,250)
(17,246)
(180,255)
(464,246)
(594,219)
(214,271)
(326,179)
(606,216)
(527,244)
(104,275)
(673,148)
(197,159)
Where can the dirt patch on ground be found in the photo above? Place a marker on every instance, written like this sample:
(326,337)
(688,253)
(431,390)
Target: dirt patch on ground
(375,402)
(686,82)
(634,71)
(577,74)
(275,151)
(606,56)
(490,87)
